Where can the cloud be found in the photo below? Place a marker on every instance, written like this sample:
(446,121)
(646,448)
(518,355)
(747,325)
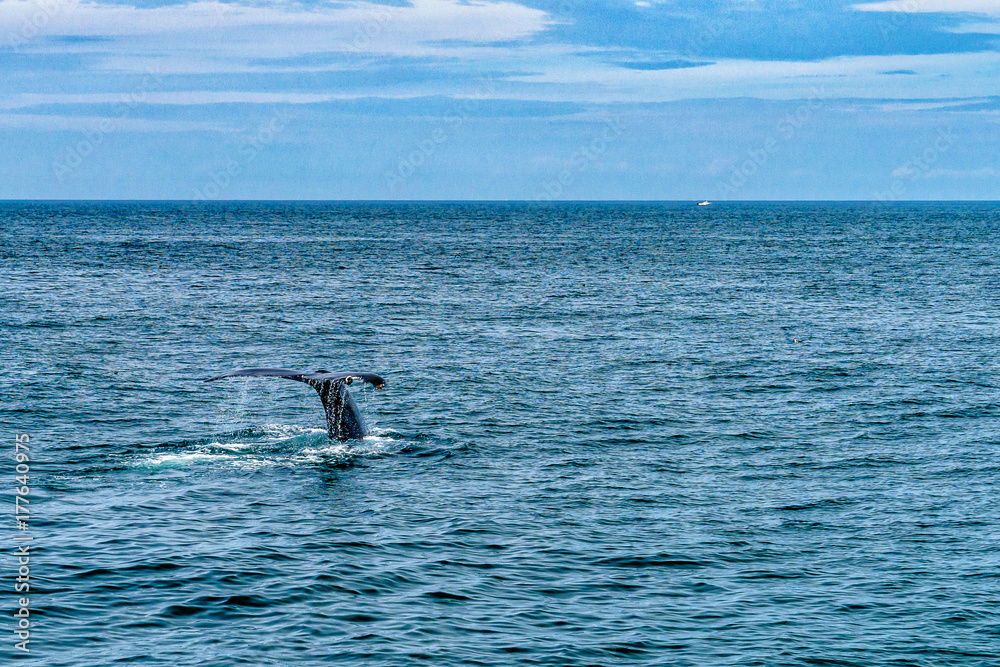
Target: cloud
(894,107)
(353,25)
(979,28)
(933,6)
(211,52)
(181,98)
(667,64)
(949,76)
(984,172)
(59,123)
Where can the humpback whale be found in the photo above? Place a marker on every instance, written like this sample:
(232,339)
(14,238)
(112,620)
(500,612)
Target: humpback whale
(343,417)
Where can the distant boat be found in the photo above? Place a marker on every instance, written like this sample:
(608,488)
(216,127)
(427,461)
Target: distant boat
(705,203)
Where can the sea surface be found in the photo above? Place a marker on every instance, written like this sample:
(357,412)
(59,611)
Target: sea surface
(612,434)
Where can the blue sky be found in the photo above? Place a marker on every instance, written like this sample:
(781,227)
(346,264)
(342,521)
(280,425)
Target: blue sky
(475,99)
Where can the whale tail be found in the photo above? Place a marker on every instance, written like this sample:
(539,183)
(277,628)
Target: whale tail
(343,417)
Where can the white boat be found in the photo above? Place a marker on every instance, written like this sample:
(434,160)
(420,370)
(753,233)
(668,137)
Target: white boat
(705,203)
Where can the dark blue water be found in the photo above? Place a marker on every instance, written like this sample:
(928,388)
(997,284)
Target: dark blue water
(612,434)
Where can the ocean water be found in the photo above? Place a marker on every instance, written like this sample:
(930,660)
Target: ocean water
(612,434)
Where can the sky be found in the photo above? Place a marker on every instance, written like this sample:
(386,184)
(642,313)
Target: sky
(509,99)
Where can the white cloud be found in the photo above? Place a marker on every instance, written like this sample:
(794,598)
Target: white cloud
(984,172)
(940,82)
(927,106)
(950,76)
(933,6)
(60,123)
(455,37)
(185,98)
(352,25)
(978,28)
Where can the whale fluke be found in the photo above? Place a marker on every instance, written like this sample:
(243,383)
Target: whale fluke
(343,418)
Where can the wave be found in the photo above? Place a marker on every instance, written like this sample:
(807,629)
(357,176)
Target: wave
(268,445)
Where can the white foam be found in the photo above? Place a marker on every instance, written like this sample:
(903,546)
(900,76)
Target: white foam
(190,459)
(181,459)
(287,431)
(298,444)
(269,434)
(231,446)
